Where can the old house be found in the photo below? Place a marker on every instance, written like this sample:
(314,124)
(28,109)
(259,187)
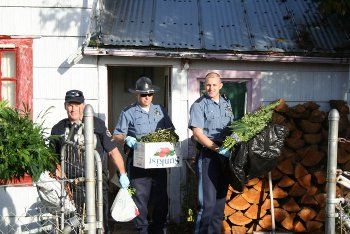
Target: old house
(264,50)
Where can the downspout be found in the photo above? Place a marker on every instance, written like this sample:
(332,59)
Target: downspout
(347,94)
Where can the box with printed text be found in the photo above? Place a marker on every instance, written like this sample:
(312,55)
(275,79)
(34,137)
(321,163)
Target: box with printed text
(157,155)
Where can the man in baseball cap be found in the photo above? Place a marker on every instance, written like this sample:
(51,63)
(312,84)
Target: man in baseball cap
(105,146)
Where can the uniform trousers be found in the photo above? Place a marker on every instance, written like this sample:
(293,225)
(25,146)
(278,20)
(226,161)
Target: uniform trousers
(151,186)
(212,190)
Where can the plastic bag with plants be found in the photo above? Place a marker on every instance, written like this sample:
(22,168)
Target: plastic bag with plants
(250,125)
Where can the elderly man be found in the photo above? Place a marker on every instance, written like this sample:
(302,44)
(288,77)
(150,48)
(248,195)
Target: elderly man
(74,105)
(210,116)
(135,121)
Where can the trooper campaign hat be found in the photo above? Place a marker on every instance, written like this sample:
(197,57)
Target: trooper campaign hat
(144,86)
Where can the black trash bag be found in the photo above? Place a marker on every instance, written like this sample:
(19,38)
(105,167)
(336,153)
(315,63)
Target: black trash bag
(264,150)
(256,157)
(234,167)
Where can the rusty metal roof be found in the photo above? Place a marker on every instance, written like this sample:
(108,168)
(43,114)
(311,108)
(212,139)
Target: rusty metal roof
(244,26)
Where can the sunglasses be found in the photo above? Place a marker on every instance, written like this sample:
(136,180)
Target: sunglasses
(146,95)
(74,94)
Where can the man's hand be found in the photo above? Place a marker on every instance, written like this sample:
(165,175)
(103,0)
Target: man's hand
(130,141)
(124,180)
(224,152)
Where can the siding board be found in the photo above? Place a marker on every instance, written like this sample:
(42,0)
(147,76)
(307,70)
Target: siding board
(47,3)
(44,21)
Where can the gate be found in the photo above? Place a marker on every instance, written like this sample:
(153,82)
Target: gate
(337,208)
(70,202)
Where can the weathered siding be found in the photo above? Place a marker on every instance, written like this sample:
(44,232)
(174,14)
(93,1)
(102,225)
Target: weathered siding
(58,28)
(304,85)
(295,82)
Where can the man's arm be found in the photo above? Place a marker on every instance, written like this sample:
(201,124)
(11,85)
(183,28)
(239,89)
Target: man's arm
(119,138)
(117,160)
(204,140)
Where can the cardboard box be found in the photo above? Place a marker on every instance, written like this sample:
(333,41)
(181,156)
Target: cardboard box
(157,155)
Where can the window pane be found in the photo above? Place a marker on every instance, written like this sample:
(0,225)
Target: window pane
(8,92)
(8,64)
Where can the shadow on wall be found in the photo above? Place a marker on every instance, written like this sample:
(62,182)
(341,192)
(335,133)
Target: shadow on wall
(7,215)
(70,20)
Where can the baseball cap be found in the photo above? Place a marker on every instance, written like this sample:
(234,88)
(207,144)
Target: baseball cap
(74,96)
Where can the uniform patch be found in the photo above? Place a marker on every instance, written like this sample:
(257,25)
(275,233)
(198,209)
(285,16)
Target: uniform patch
(108,133)
(157,112)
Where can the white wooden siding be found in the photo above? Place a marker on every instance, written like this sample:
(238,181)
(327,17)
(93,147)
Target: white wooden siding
(44,21)
(54,51)
(299,87)
(59,27)
(47,3)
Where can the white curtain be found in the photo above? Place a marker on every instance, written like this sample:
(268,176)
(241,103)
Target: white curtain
(8,70)
(8,92)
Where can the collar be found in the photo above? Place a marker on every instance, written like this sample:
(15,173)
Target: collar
(151,107)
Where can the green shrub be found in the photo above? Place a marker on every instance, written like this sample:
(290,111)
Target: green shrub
(23,146)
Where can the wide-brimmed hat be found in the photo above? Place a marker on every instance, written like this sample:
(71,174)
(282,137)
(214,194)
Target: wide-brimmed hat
(144,85)
(74,96)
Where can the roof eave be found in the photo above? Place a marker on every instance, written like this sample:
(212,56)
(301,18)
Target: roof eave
(122,52)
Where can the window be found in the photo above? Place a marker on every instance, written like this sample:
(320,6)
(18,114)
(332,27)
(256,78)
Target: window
(236,92)
(8,76)
(16,72)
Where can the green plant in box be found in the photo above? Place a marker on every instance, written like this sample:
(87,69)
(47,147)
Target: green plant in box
(23,146)
(161,135)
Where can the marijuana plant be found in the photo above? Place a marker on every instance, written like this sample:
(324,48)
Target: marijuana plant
(23,146)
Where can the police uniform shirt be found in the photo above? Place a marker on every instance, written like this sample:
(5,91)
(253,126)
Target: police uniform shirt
(136,122)
(104,142)
(214,118)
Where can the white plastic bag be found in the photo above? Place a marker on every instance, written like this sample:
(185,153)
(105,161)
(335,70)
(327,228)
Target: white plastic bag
(49,191)
(124,208)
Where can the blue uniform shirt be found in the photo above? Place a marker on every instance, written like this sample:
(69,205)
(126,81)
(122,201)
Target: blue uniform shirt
(136,122)
(214,118)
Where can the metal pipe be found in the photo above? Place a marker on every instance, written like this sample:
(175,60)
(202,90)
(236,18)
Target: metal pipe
(333,119)
(272,205)
(99,192)
(89,169)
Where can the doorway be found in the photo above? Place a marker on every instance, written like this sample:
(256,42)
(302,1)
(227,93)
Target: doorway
(122,78)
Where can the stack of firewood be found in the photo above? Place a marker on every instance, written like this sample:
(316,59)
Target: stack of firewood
(299,179)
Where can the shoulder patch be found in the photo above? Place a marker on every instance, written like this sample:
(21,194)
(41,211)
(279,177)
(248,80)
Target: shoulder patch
(108,133)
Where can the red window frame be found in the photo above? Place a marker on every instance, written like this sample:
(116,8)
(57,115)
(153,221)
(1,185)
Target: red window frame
(24,69)
(14,79)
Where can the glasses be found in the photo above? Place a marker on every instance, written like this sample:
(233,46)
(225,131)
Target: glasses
(74,94)
(146,95)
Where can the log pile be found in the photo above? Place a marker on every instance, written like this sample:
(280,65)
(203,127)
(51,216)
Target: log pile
(299,179)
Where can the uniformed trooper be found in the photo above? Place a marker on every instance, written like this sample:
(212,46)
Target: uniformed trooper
(210,116)
(137,120)
(74,105)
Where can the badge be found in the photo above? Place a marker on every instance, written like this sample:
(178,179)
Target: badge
(228,109)
(156,112)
